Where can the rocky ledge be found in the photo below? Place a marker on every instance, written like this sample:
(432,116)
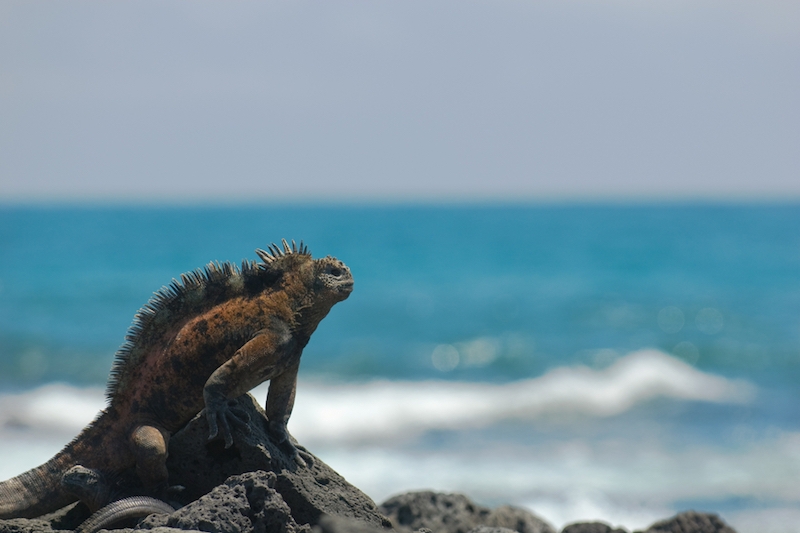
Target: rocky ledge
(255,487)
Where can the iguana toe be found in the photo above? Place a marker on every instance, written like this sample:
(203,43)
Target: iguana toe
(221,417)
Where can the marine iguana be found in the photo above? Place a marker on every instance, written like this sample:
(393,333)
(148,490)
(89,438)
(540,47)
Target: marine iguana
(196,344)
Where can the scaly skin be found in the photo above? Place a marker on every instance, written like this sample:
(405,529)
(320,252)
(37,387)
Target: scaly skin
(127,508)
(196,345)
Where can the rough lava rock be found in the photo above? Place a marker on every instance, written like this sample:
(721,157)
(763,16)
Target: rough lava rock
(337,524)
(451,513)
(67,519)
(455,513)
(490,529)
(247,502)
(691,522)
(591,527)
(517,519)
(311,491)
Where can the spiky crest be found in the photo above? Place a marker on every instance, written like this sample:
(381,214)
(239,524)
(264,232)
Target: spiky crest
(195,292)
(276,253)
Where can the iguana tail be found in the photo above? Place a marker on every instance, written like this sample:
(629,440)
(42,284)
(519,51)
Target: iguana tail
(37,491)
(133,507)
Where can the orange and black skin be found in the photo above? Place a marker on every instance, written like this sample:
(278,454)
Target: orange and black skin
(196,345)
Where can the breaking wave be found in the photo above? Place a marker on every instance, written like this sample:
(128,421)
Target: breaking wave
(388,409)
(382,409)
(360,428)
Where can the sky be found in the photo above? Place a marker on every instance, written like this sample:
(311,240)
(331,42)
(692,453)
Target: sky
(177,101)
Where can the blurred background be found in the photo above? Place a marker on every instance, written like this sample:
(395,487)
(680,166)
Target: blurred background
(573,228)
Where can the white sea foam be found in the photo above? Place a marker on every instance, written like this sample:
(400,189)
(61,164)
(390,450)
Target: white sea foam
(36,424)
(381,410)
(357,428)
(55,407)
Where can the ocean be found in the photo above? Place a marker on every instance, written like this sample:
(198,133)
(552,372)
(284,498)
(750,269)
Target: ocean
(612,362)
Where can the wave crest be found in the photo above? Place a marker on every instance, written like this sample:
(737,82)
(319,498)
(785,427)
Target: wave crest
(380,410)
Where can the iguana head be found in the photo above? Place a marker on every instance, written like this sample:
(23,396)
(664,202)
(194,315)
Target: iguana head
(87,484)
(327,278)
(332,279)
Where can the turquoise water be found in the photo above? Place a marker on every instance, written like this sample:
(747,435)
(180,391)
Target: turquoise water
(463,310)
(546,286)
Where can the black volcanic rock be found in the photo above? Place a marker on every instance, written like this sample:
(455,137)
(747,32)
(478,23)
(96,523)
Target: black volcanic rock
(455,513)
(65,519)
(691,522)
(450,513)
(517,519)
(591,527)
(311,491)
(338,524)
(243,503)
(490,529)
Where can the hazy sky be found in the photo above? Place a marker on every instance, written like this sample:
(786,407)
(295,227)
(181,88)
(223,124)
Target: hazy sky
(399,99)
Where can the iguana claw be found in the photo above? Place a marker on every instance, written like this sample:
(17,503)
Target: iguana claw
(280,435)
(220,416)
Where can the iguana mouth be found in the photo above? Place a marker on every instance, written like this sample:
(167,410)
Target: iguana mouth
(346,287)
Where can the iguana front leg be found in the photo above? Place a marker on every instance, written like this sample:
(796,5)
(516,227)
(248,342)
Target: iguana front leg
(265,357)
(280,400)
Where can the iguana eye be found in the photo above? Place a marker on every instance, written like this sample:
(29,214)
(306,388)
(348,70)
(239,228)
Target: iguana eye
(336,272)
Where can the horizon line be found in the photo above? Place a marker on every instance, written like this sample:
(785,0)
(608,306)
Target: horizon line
(622,201)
